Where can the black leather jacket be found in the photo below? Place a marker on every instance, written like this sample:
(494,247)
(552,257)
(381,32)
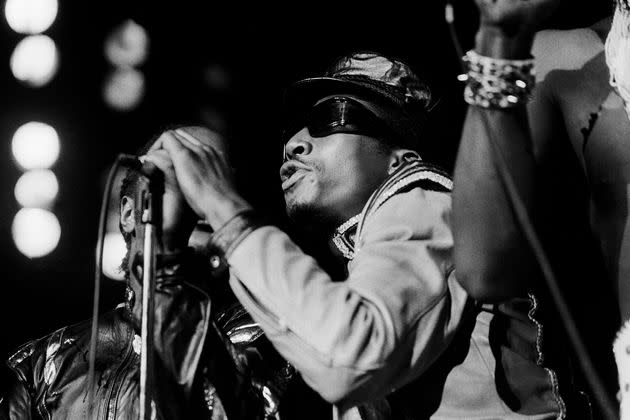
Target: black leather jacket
(210,364)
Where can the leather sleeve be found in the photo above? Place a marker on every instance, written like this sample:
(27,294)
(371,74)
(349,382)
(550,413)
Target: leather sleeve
(16,405)
(191,351)
(182,316)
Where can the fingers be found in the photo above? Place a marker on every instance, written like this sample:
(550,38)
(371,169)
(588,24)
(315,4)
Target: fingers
(158,143)
(162,160)
(174,143)
(209,144)
(202,151)
(188,151)
(186,137)
(159,158)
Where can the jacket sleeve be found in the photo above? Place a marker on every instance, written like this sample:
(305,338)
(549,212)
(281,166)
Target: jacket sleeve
(359,339)
(192,355)
(17,403)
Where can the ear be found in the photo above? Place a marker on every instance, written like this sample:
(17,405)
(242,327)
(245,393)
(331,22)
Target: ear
(399,156)
(127,214)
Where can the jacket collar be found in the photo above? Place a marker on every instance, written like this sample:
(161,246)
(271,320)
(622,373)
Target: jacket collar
(412,172)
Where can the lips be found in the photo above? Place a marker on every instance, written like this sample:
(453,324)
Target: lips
(291,172)
(293,179)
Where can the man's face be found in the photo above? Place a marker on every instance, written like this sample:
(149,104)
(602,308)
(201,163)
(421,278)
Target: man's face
(330,178)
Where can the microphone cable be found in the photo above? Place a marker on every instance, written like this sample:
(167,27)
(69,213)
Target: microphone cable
(121,160)
(524,220)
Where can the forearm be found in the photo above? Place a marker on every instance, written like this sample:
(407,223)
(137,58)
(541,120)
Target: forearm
(623,274)
(612,225)
(348,341)
(492,258)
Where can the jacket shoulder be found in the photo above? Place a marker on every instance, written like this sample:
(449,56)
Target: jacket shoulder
(416,184)
(29,360)
(32,360)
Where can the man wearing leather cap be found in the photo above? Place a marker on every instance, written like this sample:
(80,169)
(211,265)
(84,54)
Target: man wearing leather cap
(399,337)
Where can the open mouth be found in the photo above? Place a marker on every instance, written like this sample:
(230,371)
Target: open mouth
(295,177)
(291,172)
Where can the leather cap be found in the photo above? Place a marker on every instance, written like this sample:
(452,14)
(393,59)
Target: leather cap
(393,92)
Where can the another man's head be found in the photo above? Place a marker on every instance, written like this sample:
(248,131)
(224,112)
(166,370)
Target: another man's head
(350,130)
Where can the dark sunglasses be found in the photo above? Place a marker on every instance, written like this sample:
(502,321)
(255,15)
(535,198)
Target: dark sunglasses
(338,114)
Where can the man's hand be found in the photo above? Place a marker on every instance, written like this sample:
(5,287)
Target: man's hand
(507,27)
(204,177)
(514,16)
(178,219)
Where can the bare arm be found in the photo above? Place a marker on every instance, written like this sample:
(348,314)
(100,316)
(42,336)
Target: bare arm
(492,258)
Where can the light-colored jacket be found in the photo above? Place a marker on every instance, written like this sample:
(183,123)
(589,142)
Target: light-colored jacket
(392,321)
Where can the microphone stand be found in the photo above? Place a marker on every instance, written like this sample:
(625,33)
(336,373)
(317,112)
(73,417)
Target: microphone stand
(151,202)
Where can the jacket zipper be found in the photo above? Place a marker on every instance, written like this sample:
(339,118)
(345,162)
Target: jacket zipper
(112,401)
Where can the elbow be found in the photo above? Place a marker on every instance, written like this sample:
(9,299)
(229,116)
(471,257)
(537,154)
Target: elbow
(340,386)
(335,395)
(489,283)
(478,289)
(335,387)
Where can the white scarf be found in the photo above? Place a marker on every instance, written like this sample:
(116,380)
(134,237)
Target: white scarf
(618,53)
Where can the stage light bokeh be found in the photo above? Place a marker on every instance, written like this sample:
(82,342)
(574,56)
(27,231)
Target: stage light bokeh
(36,232)
(114,250)
(30,16)
(124,89)
(35,60)
(35,145)
(37,188)
(127,45)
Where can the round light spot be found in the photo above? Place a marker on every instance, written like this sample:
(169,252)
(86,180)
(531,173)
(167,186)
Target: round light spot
(37,188)
(114,250)
(30,16)
(217,77)
(36,232)
(35,145)
(35,60)
(127,45)
(124,89)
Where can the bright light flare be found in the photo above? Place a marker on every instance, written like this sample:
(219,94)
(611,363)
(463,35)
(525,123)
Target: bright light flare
(30,16)
(35,60)
(37,188)
(124,89)
(35,145)
(36,232)
(114,250)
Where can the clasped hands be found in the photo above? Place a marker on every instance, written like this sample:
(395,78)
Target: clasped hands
(199,182)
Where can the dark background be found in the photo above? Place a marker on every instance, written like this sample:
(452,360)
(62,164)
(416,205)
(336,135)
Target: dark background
(262,50)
